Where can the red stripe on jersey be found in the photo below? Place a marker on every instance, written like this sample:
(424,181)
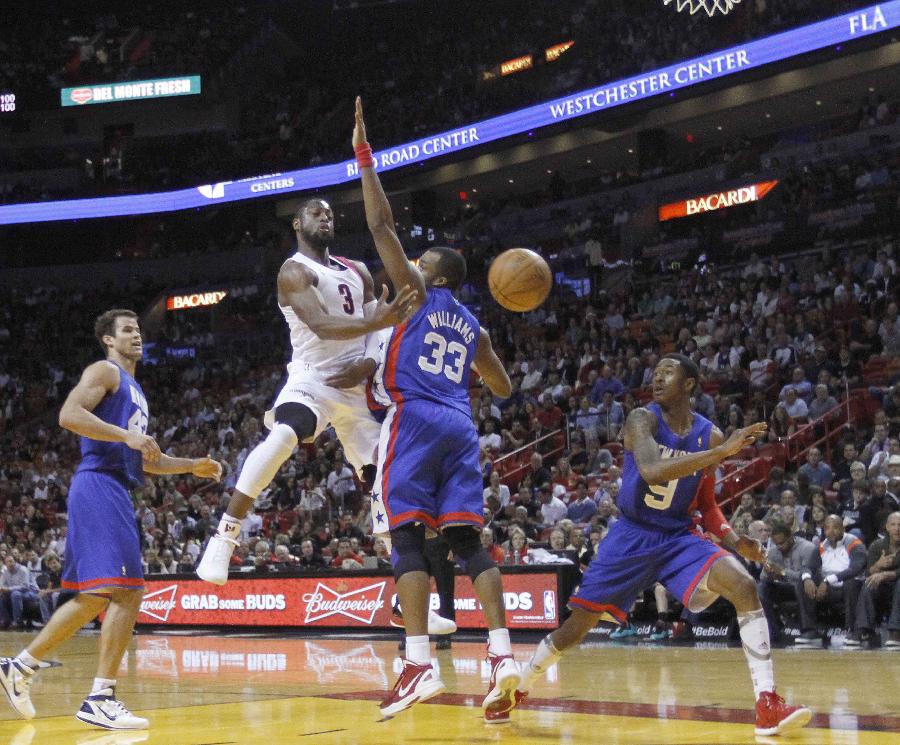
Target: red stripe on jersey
(390,364)
(686,598)
(413,516)
(613,610)
(130,583)
(461,518)
(350,265)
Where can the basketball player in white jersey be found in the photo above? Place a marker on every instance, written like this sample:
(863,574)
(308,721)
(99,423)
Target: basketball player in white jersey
(330,306)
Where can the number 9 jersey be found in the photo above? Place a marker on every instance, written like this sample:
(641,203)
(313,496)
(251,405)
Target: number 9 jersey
(666,507)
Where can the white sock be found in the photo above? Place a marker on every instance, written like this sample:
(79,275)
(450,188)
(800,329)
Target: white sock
(102,683)
(417,650)
(230,527)
(544,657)
(265,459)
(757,650)
(498,642)
(28,661)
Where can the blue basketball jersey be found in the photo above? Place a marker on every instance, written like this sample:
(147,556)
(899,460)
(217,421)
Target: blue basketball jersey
(428,357)
(667,506)
(126,408)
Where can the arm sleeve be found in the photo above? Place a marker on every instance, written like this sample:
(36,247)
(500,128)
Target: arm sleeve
(713,520)
(857,562)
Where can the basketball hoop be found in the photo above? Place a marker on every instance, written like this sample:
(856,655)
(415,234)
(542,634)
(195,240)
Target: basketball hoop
(710,6)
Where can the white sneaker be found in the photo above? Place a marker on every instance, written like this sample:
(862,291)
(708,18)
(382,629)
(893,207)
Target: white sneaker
(103,710)
(416,683)
(502,694)
(213,566)
(17,686)
(438,625)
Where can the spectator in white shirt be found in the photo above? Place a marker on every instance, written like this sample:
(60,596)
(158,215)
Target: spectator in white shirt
(794,405)
(498,491)
(798,383)
(490,440)
(553,509)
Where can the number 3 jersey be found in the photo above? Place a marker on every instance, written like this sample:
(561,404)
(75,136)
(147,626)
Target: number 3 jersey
(126,408)
(340,286)
(664,507)
(428,357)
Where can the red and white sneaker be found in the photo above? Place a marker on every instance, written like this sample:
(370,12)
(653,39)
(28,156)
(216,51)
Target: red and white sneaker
(502,717)
(503,695)
(774,716)
(416,683)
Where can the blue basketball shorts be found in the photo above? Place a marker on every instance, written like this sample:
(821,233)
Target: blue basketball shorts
(103,547)
(631,559)
(428,467)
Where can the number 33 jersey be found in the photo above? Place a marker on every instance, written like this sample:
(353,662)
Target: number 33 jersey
(664,507)
(428,357)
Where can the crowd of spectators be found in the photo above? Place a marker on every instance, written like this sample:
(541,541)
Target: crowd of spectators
(790,339)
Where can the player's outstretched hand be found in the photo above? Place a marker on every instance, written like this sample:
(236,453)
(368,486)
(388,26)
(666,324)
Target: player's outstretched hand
(353,374)
(741,438)
(394,313)
(750,549)
(207,468)
(359,130)
(145,444)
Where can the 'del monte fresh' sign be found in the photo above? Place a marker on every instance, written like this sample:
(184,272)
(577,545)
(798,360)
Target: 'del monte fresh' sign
(716,201)
(195,300)
(131,91)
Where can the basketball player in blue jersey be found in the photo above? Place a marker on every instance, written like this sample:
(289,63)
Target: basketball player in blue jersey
(429,477)
(103,553)
(667,449)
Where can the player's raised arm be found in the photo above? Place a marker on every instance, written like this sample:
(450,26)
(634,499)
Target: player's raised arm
(77,414)
(640,428)
(490,368)
(380,218)
(296,287)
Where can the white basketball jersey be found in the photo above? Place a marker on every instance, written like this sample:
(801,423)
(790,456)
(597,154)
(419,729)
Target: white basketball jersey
(341,288)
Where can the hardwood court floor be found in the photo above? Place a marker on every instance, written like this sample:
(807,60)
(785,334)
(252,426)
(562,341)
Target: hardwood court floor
(205,690)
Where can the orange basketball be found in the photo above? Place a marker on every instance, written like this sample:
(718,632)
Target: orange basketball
(519,279)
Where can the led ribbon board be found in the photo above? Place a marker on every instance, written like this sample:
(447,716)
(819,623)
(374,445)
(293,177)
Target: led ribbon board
(136,90)
(678,76)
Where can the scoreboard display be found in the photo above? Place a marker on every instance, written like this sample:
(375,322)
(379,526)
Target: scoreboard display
(7,102)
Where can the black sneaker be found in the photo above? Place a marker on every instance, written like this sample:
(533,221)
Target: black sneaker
(808,638)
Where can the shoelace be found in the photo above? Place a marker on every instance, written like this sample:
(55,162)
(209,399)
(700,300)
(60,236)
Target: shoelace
(118,708)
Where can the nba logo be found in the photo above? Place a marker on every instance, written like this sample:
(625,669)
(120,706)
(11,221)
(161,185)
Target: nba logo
(549,605)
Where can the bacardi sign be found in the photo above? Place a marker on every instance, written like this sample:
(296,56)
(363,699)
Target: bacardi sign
(195,300)
(716,200)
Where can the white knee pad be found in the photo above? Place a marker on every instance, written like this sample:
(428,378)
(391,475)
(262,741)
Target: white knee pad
(266,458)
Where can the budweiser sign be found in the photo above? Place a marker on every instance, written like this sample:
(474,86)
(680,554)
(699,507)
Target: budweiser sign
(716,201)
(361,604)
(159,603)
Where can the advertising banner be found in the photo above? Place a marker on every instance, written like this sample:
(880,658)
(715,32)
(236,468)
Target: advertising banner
(195,300)
(130,90)
(717,200)
(668,80)
(333,601)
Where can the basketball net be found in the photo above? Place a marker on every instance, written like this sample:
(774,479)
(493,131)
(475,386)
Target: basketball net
(710,6)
